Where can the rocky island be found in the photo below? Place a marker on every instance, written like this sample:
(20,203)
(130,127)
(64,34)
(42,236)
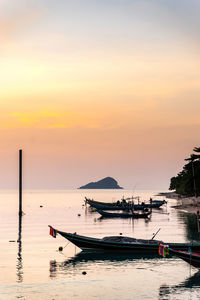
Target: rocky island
(105,183)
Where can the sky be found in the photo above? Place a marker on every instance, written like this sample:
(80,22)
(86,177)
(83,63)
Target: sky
(97,88)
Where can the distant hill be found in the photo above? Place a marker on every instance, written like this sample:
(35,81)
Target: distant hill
(105,183)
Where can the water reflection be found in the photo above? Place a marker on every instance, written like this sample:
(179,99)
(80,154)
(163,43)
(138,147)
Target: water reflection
(191,226)
(53,268)
(83,258)
(165,291)
(19,265)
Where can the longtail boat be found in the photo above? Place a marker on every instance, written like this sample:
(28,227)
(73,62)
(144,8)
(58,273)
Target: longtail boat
(123,205)
(130,214)
(120,243)
(190,257)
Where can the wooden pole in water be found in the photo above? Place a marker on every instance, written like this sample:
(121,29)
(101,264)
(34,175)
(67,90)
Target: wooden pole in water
(20,182)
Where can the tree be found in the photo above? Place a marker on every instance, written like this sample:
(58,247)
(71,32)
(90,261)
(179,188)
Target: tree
(187,182)
(196,149)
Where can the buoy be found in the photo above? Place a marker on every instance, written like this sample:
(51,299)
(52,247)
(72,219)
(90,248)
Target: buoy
(60,248)
(84,273)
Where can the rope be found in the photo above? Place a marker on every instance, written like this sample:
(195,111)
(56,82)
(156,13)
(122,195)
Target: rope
(66,244)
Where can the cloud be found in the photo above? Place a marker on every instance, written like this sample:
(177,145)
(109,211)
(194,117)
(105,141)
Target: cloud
(55,120)
(41,119)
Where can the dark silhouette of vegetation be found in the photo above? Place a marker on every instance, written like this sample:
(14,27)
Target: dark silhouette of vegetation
(187,182)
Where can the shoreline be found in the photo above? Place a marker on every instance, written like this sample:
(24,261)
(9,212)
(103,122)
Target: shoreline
(188,204)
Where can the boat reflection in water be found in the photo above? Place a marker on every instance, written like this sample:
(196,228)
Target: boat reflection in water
(193,282)
(84,260)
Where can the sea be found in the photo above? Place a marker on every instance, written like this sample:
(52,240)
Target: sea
(33,267)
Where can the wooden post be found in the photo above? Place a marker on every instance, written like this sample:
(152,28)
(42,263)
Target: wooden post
(20,182)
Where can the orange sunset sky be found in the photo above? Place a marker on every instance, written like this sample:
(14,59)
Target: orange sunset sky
(96,88)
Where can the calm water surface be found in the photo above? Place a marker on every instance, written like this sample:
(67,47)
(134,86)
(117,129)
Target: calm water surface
(33,268)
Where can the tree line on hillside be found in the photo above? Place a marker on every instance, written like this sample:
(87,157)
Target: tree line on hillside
(187,182)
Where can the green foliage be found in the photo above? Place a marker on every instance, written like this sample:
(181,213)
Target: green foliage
(187,182)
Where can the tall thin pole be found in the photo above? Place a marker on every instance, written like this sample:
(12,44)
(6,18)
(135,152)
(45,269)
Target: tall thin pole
(19,258)
(20,182)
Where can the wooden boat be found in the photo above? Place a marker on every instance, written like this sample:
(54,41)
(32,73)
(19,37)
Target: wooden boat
(124,200)
(134,215)
(123,205)
(192,258)
(120,243)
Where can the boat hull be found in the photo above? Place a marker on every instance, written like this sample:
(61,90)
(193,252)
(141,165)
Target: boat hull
(96,244)
(115,206)
(123,215)
(191,258)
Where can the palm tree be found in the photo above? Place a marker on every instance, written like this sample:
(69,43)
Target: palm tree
(196,149)
(191,159)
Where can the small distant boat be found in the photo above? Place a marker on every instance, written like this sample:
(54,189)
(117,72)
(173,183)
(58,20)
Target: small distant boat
(120,243)
(190,257)
(124,205)
(130,214)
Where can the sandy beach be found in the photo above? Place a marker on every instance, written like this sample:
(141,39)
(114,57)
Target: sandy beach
(188,204)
